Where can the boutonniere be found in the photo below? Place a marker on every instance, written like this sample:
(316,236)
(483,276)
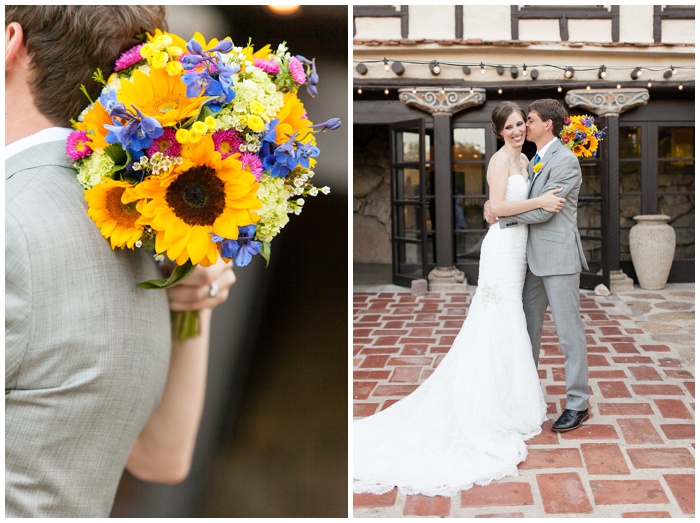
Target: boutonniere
(537,167)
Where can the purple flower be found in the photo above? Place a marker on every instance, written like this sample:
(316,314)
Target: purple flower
(268,66)
(227,142)
(166,144)
(252,164)
(134,131)
(241,250)
(129,58)
(328,125)
(296,69)
(77,145)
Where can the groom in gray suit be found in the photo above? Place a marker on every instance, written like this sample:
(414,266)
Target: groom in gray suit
(91,383)
(555,255)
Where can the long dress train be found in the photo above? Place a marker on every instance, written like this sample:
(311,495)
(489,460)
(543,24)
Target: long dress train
(466,424)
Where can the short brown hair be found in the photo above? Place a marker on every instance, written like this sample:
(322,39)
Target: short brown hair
(550,109)
(501,113)
(66,43)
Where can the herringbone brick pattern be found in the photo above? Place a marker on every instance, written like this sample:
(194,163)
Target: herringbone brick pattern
(634,457)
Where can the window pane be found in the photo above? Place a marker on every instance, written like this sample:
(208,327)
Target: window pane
(630,176)
(407,184)
(409,256)
(407,146)
(676,142)
(630,206)
(630,142)
(681,209)
(469,178)
(591,181)
(408,219)
(469,213)
(468,144)
(468,245)
(680,169)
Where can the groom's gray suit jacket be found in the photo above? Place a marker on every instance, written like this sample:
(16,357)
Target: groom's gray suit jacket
(554,244)
(86,350)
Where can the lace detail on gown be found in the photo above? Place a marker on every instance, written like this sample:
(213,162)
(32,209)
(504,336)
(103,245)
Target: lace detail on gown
(466,424)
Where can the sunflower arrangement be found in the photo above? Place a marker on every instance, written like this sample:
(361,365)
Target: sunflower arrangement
(197,150)
(581,135)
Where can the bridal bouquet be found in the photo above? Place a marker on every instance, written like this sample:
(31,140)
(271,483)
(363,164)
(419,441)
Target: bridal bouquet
(581,135)
(197,151)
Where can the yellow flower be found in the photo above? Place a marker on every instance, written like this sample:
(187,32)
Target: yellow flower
(93,124)
(292,117)
(159,95)
(255,123)
(162,50)
(578,150)
(203,195)
(112,206)
(537,167)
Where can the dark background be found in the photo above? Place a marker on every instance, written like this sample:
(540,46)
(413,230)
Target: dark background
(274,435)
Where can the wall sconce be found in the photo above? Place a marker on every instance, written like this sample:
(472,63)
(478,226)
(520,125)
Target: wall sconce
(435,67)
(398,68)
(500,70)
(362,69)
(534,74)
(466,70)
(513,72)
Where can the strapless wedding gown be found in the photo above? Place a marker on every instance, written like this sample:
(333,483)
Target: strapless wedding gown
(466,424)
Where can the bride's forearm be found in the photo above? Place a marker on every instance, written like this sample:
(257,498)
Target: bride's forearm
(509,208)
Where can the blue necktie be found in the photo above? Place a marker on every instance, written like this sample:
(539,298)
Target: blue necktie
(537,158)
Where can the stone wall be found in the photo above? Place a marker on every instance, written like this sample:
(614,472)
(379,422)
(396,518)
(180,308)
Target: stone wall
(371,195)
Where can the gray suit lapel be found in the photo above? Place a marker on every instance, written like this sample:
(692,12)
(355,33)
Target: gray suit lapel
(544,161)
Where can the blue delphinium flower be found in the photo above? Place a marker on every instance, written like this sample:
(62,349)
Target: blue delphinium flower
(242,250)
(312,78)
(134,131)
(328,125)
(305,151)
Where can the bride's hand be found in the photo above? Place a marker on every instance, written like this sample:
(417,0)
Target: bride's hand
(551,203)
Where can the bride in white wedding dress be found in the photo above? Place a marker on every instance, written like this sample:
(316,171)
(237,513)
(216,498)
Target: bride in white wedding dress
(466,424)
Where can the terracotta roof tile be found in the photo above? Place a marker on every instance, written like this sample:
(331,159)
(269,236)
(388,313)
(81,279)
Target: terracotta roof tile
(511,43)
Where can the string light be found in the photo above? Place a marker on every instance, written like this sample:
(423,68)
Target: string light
(386,91)
(359,90)
(602,72)
(673,71)
(414,90)
(636,73)
(619,86)
(588,88)
(435,67)
(471,89)
(386,65)
(649,84)
(569,72)
(500,91)
(482,68)
(559,88)
(680,87)
(524,70)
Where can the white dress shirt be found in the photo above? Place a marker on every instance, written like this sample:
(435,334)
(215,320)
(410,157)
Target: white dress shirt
(542,152)
(50,134)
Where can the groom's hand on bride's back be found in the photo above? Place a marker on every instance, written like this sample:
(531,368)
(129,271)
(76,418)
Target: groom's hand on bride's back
(488,216)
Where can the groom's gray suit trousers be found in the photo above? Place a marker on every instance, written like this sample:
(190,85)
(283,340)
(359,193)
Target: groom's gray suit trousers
(561,292)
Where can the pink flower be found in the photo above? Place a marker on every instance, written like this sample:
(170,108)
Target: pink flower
(296,69)
(166,144)
(565,139)
(267,65)
(252,164)
(227,142)
(129,58)
(77,145)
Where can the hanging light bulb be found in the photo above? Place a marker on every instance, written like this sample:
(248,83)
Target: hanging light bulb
(482,69)
(559,88)
(471,89)
(414,90)
(680,87)
(602,72)
(636,73)
(524,70)
(619,86)
(359,90)
(673,71)
(434,67)
(649,84)
(569,72)
(442,90)
(386,91)
(500,91)
(588,88)
(386,65)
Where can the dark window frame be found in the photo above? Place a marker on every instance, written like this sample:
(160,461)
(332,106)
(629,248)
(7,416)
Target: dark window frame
(670,12)
(563,14)
(381,11)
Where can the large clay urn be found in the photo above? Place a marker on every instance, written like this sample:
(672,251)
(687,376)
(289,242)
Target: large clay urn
(652,245)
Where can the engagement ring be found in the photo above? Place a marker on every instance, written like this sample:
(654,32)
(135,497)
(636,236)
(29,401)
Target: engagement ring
(213,290)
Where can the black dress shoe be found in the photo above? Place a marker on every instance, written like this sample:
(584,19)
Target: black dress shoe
(570,420)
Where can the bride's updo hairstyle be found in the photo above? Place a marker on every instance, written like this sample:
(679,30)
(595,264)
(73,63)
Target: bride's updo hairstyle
(501,113)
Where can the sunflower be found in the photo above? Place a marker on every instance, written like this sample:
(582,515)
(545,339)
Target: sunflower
(292,117)
(112,206)
(159,95)
(203,195)
(94,121)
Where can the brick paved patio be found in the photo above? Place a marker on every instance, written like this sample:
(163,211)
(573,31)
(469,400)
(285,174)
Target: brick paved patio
(635,457)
